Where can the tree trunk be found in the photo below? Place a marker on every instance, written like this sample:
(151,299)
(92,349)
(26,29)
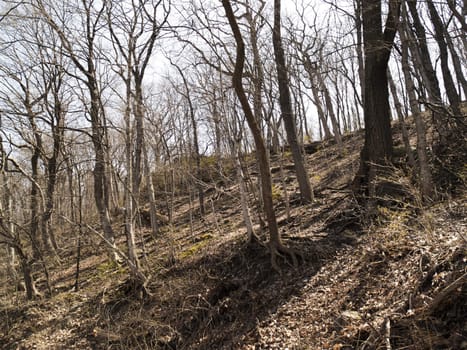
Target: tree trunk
(332,115)
(286,108)
(100,172)
(243,193)
(34,205)
(377,149)
(456,62)
(316,98)
(400,115)
(139,139)
(421,52)
(151,193)
(426,182)
(261,153)
(197,155)
(449,85)
(359,46)
(131,185)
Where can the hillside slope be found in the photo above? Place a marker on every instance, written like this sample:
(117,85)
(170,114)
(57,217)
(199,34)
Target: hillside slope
(394,282)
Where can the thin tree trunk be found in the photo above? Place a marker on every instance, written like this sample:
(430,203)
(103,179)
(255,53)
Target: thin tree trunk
(151,193)
(286,108)
(139,139)
(243,193)
(34,205)
(316,98)
(197,154)
(332,115)
(426,181)
(400,115)
(456,63)
(100,172)
(79,231)
(359,47)
(421,52)
(449,85)
(266,183)
(131,184)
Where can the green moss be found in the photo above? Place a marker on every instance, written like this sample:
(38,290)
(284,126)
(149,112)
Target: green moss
(202,242)
(68,297)
(109,267)
(276,192)
(205,236)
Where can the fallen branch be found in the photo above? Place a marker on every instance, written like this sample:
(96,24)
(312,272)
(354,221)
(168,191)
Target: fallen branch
(388,334)
(446,291)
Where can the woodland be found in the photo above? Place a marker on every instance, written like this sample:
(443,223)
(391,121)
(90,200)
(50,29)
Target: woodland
(188,174)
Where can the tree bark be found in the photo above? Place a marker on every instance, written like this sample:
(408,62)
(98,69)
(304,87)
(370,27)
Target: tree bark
(285,102)
(151,194)
(421,53)
(377,149)
(400,115)
(449,85)
(261,153)
(426,181)
(194,126)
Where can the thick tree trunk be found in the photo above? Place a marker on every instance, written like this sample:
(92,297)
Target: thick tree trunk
(377,149)
(286,108)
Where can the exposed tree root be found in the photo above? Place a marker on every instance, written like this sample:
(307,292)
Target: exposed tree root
(138,288)
(278,249)
(254,239)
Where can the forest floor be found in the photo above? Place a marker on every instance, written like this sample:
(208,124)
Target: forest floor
(393,281)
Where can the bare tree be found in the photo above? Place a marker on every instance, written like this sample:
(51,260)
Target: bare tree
(450,87)
(84,55)
(134,34)
(286,108)
(377,149)
(194,125)
(426,181)
(275,243)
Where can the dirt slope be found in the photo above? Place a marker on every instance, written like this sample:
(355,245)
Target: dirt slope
(398,282)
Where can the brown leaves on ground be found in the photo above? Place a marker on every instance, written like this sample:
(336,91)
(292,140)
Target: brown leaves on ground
(359,285)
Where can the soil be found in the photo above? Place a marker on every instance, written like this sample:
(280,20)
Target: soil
(396,280)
